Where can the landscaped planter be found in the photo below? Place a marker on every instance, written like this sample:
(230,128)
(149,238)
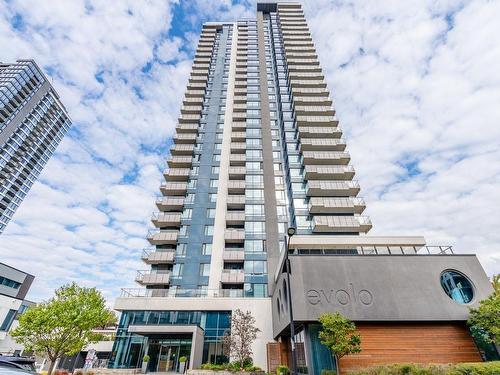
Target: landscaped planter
(223,372)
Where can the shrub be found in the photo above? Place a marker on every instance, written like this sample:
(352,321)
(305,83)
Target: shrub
(482,368)
(214,367)
(183,359)
(328,372)
(146,358)
(282,369)
(78,372)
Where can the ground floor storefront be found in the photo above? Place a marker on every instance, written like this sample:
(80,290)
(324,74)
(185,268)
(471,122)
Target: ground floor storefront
(166,336)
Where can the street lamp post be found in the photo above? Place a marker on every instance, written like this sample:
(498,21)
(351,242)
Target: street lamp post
(291,232)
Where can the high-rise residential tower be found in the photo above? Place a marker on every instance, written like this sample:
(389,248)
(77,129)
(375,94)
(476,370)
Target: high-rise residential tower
(258,151)
(32,123)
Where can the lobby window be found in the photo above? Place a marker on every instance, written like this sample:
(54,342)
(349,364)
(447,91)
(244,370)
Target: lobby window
(205,269)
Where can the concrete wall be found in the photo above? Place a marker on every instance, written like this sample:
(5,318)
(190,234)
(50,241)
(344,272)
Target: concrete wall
(376,288)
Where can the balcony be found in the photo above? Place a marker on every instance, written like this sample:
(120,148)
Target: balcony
(182,149)
(170,203)
(192,101)
(162,237)
(192,109)
(233,255)
(235,217)
(332,188)
(236,186)
(305,83)
(237,172)
(173,188)
(238,147)
(176,174)
(314,110)
(184,138)
(166,219)
(232,276)
(320,132)
(320,144)
(235,201)
(150,278)
(180,162)
(320,205)
(317,172)
(187,128)
(312,100)
(341,224)
(158,256)
(238,136)
(195,93)
(232,235)
(326,157)
(317,121)
(237,159)
(239,125)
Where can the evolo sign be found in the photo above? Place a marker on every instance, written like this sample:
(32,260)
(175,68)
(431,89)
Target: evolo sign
(340,296)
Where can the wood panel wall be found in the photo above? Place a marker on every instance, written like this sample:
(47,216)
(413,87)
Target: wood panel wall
(412,343)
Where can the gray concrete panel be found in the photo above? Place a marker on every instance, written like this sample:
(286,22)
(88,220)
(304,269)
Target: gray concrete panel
(377,288)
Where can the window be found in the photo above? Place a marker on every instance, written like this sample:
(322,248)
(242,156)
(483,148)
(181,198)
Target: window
(177,270)
(457,286)
(209,230)
(254,194)
(10,283)
(254,246)
(254,227)
(187,213)
(212,197)
(180,251)
(255,267)
(9,318)
(205,269)
(214,183)
(254,165)
(255,180)
(254,209)
(189,198)
(211,213)
(206,249)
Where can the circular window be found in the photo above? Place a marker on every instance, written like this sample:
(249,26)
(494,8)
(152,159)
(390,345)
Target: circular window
(457,286)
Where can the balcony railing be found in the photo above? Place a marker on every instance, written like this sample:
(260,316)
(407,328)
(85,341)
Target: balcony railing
(167,293)
(379,250)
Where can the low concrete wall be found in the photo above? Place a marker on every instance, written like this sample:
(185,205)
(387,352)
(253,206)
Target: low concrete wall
(111,371)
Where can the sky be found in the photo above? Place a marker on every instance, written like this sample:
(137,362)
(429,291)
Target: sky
(416,87)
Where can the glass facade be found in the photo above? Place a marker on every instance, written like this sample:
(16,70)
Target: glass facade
(129,348)
(26,140)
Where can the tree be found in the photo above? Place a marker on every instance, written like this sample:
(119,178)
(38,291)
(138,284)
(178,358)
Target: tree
(63,325)
(486,317)
(238,341)
(338,334)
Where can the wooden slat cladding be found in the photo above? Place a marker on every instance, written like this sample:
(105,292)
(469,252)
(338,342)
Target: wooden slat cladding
(412,343)
(277,354)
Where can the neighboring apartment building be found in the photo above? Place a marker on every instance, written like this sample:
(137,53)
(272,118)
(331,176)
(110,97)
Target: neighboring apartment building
(258,150)
(32,123)
(14,285)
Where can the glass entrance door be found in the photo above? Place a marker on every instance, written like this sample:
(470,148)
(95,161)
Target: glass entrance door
(169,358)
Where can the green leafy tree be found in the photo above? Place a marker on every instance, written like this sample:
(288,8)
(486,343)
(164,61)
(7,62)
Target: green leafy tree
(63,325)
(339,335)
(486,317)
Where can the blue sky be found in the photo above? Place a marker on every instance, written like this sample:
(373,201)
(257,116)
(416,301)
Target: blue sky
(416,87)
